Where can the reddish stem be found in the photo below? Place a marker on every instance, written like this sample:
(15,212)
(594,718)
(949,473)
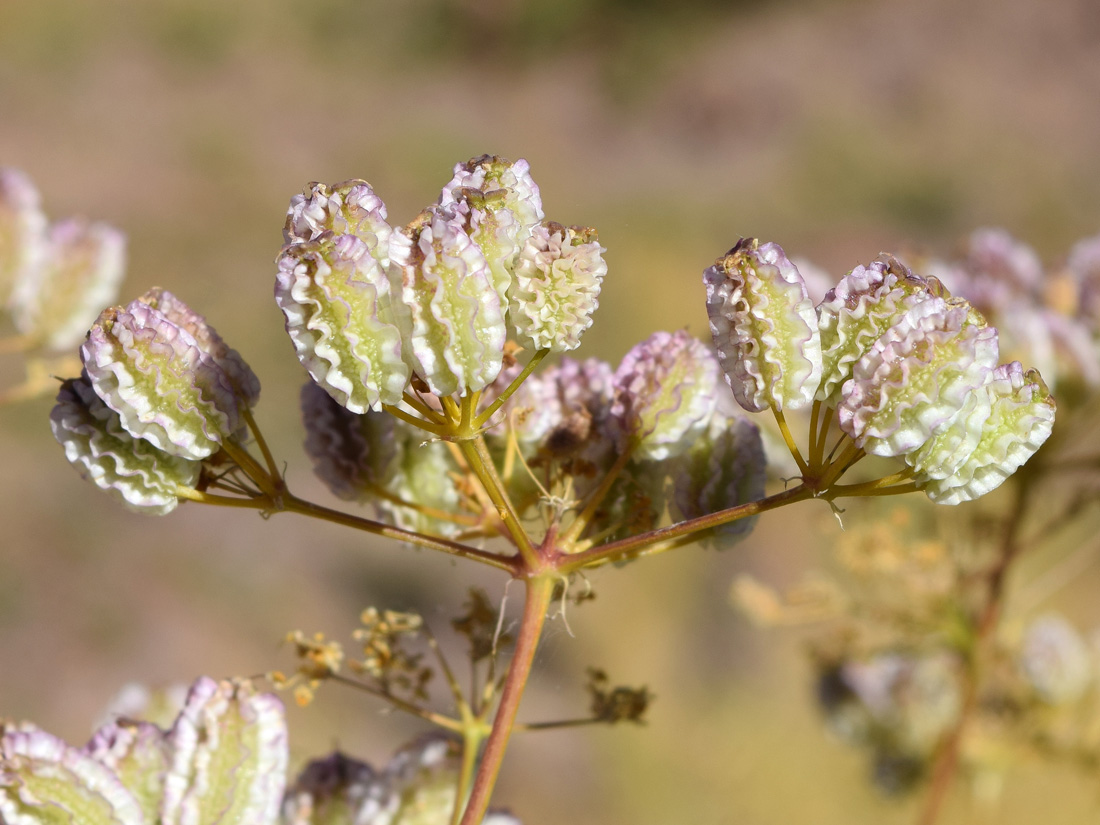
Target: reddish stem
(539,591)
(636,544)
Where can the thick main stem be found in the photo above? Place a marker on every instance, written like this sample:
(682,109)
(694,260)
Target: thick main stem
(539,591)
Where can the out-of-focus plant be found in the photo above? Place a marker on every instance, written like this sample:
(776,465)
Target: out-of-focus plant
(223,759)
(926,658)
(422,343)
(54,279)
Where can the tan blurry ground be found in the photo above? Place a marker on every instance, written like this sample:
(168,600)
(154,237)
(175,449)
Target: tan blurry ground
(838,129)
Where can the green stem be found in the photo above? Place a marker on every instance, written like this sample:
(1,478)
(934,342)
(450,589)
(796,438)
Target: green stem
(791,445)
(817,455)
(566,564)
(539,591)
(263,479)
(431,512)
(565,723)
(876,487)
(669,544)
(269,459)
(471,744)
(192,494)
(488,412)
(897,490)
(456,691)
(477,456)
(452,412)
(491,686)
(843,438)
(421,407)
(419,423)
(468,409)
(815,413)
(438,719)
(290,503)
(848,457)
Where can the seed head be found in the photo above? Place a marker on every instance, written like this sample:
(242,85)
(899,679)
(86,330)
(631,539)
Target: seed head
(1021,419)
(348,208)
(1056,661)
(953,442)
(998,270)
(866,303)
(351,452)
(341,313)
(917,376)
(165,387)
(1083,267)
(489,175)
(664,394)
(137,753)
(336,790)
(421,473)
(456,341)
(764,327)
(547,409)
(245,383)
(557,286)
(724,467)
(226,723)
(131,469)
(42,779)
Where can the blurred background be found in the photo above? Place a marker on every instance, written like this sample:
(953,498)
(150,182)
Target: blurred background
(838,128)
